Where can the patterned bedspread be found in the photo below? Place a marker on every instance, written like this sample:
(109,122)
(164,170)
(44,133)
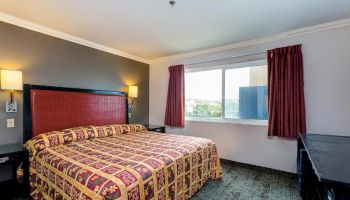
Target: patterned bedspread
(119,162)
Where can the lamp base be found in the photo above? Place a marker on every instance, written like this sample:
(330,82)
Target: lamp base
(11,107)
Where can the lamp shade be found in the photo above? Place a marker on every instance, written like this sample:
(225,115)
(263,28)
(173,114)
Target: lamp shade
(11,80)
(133,90)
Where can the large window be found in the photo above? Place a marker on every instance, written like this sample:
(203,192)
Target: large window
(234,91)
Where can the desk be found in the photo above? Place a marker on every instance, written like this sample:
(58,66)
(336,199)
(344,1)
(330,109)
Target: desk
(324,166)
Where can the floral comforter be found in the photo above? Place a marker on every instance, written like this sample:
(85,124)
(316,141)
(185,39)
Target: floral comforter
(119,162)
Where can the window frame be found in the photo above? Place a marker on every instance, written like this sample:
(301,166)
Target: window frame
(224,67)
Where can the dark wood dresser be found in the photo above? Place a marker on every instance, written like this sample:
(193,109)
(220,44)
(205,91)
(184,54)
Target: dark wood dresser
(324,167)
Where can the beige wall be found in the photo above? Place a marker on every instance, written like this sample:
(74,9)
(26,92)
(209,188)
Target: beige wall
(46,60)
(326,74)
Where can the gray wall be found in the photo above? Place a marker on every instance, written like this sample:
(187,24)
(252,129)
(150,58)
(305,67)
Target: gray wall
(46,60)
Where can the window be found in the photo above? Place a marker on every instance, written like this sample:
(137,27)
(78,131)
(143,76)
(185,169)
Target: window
(227,92)
(203,93)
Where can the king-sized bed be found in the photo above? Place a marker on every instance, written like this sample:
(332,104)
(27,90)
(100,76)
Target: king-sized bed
(104,157)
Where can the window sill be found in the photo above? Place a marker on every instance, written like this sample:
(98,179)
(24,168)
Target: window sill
(231,121)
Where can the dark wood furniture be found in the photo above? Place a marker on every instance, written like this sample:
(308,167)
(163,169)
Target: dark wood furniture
(323,166)
(155,128)
(11,156)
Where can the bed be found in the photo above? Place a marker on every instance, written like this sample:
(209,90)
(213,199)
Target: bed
(104,157)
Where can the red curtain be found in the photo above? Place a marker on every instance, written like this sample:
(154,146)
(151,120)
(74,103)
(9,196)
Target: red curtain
(286,103)
(175,107)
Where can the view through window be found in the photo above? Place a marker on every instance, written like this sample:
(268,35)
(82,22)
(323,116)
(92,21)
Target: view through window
(237,91)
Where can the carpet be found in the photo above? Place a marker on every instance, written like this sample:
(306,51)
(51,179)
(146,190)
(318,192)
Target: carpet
(246,182)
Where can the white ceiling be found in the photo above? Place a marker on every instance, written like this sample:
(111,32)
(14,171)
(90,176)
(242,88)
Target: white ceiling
(151,29)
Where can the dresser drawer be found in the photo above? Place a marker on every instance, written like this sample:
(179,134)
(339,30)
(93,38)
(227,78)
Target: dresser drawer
(5,159)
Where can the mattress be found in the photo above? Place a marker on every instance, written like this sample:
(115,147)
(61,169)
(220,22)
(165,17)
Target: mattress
(119,162)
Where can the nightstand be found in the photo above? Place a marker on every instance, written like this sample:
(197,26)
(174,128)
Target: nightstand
(155,128)
(11,156)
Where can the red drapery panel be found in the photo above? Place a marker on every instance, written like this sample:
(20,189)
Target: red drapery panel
(286,103)
(175,109)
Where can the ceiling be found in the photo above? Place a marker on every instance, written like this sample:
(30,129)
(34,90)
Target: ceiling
(151,29)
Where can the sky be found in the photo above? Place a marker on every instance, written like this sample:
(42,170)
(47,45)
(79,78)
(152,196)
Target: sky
(206,85)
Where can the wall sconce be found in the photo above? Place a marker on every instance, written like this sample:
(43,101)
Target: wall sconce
(11,80)
(132,94)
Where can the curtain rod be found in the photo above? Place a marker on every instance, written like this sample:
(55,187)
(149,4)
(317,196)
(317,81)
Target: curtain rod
(243,55)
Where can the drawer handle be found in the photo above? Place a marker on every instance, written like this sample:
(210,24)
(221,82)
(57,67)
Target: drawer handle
(4,159)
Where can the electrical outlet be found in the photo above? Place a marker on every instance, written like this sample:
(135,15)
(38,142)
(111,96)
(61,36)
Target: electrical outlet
(10,123)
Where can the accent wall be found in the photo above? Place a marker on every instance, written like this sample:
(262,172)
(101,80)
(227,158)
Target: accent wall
(47,60)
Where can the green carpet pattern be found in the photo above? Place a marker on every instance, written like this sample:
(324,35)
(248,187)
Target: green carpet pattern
(246,182)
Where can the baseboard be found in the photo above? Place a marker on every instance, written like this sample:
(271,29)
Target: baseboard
(266,169)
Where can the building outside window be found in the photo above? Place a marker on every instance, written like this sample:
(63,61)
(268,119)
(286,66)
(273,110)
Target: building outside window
(229,92)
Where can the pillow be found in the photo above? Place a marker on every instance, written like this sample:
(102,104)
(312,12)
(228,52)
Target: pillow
(127,128)
(43,141)
(55,138)
(76,134)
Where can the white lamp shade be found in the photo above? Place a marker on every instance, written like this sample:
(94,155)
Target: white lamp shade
(11,80)
(133,90)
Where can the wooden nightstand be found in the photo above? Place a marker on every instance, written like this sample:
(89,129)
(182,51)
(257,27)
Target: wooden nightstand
(155,128)
(11,156)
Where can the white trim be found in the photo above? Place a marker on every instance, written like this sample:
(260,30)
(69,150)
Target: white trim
(228,64)
(252,122)
(65,36)
(297,32)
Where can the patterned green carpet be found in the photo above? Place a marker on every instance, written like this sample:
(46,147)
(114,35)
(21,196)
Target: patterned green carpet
(244,182)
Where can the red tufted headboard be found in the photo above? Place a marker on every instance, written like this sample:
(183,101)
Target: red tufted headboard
(49,108)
